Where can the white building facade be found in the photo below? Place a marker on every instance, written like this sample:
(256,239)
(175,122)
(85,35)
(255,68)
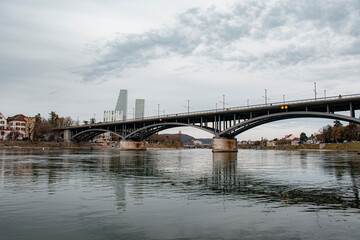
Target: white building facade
(3,127)
(139,108)
(16,127)
(113,116)
(121,104)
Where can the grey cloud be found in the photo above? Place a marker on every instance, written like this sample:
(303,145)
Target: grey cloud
(291,55)
(351,49)
(215,34)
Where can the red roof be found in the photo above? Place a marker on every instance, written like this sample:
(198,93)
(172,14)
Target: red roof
(18,117)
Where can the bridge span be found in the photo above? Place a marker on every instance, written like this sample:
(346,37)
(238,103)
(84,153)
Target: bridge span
(224,124)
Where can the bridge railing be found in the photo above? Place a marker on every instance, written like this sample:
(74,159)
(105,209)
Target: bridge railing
(253,106)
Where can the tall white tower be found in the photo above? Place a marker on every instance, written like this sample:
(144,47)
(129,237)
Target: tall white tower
(121,104)
(139,108)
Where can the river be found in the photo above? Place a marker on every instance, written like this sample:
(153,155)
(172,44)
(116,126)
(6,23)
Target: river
(179,194)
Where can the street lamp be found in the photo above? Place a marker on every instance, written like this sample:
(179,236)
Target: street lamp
(265,96)
(188,106)
(223,102)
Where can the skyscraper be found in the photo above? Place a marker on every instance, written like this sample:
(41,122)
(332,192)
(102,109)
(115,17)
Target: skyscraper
(139,108)
(121,104)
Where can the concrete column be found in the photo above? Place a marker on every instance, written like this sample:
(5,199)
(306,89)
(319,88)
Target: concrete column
(221,144)
(352,110)
(132,145)
(67,135)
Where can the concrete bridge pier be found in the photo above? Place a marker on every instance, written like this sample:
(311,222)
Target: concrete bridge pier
(67,135)
(221,144)
(132,145)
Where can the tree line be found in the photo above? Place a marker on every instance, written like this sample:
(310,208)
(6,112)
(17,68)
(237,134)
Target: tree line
(43,126)
(339,133)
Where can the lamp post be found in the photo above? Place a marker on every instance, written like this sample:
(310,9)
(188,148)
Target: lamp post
(265,97)
(223,102)
(188,106)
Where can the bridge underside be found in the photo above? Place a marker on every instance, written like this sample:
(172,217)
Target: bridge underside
(147,131)
(90,134)
(251,123)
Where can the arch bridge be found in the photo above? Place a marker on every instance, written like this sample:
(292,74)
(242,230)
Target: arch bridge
(224,124)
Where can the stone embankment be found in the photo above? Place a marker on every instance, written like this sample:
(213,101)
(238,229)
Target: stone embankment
(72,145)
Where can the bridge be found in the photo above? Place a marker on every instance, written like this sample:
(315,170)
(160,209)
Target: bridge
(224,124)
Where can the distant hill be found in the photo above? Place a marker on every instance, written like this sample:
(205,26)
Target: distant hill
(188,139)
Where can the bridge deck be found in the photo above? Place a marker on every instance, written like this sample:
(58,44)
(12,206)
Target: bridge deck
(333,104)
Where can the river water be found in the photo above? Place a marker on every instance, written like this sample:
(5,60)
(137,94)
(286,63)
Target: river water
(179,194)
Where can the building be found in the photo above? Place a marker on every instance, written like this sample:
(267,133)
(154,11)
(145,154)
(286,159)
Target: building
(4,131)
(29,127)
(18,124)
(290,137)
(18,127)
(113,116)
(139,108)
(2,121)
(121,104)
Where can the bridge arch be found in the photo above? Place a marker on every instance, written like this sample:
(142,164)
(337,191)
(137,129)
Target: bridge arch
(149,130)
(90,134)
(254,122)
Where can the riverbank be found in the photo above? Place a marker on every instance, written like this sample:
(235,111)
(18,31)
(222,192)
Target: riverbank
(350,147)
(42,145)
(73,145)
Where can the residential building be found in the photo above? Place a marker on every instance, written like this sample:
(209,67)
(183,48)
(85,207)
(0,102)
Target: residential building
(139,108)
(18,124)
(290,137)
(2,121)
(121,104)
(4,131)
(271,143)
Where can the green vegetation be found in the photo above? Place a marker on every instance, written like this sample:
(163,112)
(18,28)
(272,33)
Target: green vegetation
(43,126)
(339,133)
(157,140)
(343,146)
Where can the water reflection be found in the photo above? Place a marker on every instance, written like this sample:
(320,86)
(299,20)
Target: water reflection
(317,180)
(224,175)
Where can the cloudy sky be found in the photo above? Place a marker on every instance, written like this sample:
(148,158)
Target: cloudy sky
(73,57)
